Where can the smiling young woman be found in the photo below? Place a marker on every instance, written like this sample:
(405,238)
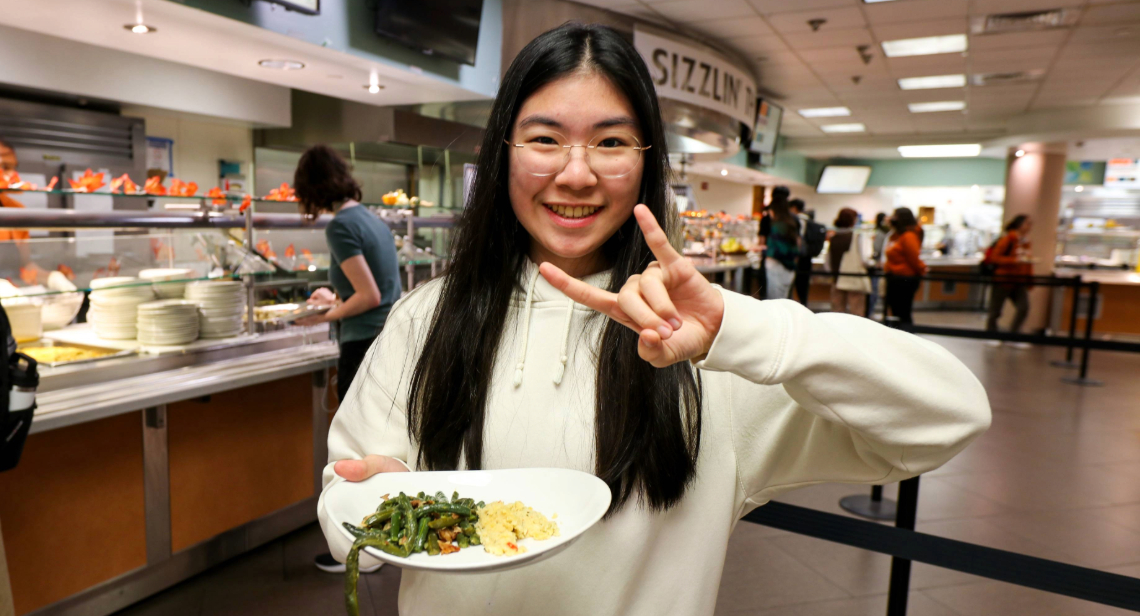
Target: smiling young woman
(569,333)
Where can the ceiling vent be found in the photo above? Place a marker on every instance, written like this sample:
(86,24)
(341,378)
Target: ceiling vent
(1021,22)
(997,79)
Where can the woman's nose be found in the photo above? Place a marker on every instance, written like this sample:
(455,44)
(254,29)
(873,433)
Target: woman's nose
(577,174)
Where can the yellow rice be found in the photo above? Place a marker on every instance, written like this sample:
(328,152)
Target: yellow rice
(501,525)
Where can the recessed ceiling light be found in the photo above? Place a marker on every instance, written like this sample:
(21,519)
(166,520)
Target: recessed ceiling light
(940,151)
(825,112)
(140,28)
(373,88)
(936,106)
(934,81)
(843,128)
(724,171)
(925,46)
(1019,153)
(875,1)
(284,65)
(1080,189)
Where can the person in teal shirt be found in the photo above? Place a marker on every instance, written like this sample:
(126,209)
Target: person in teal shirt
(363,268)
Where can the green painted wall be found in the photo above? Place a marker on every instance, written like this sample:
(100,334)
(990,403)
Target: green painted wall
(931,171)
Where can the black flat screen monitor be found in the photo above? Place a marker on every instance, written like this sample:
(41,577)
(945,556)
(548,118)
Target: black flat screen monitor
(766,129)
(447,28)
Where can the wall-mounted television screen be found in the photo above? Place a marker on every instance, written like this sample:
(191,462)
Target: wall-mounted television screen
(766,129)
(447,28)
(843,180)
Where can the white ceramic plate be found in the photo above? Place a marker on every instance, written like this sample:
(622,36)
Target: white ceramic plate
(579,500)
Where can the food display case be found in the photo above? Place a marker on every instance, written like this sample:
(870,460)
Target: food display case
(166,458)
(718,244)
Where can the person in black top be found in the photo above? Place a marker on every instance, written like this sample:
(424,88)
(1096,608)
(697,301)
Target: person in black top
(803,263)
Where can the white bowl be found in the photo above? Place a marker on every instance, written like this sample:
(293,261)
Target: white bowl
(60,310)
(579,500)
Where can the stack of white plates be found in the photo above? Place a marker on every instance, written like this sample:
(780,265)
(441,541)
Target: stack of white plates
(168,290)
(114,306)
(221,304)
(168,322)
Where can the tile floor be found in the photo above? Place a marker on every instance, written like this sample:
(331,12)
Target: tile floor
(1057,476)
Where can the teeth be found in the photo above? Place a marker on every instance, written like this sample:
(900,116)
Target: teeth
(572,212)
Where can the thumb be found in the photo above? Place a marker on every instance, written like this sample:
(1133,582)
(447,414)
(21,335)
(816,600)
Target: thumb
(359,470)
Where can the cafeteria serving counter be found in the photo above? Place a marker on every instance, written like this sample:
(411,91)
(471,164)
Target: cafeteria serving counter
(142,471)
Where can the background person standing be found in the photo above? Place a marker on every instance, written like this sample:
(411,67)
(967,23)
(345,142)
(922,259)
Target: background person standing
(903,264)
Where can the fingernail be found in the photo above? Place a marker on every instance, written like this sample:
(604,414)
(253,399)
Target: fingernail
(665,332)
(675,323)
(648,342)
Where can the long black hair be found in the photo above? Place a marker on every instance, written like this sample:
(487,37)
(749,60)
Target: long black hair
(647,420)
(903,220)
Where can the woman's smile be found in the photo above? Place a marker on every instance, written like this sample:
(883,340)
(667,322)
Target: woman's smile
(573,215)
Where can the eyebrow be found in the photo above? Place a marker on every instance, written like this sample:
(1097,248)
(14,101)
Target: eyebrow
(551,122)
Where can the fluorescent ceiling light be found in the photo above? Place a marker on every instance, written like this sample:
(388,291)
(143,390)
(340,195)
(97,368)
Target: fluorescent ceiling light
(925,46)
(284,65)
(940,151)
(825,112)
(936,106)
(843,128)
(934,81)
(875,1)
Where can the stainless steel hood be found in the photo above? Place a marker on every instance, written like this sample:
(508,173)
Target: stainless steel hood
(323,119)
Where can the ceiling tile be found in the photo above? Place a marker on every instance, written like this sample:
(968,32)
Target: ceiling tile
(780,61)
(901,126)
(1017,40)
(999,65)
(914,10)
(735,27)
(644,12)
(1002,92)
(842,85)
(992,7)
(758,45)
(796,23)
(832,55)
(939,122)
(851,37)
(1113,99)
(784,6)
(1105,35)
(916,29)
(921,66)
(1037,55)
(1112,15)
(693,11)
(985,123)
(927,96)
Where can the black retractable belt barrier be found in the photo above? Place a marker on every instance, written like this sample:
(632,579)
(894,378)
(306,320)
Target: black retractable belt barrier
(1029,571)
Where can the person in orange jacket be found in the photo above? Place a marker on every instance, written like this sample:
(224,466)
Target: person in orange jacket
(903,264)
(1010,255)
(14,249)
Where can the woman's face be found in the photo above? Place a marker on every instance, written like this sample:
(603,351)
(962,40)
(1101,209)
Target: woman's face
(571,213)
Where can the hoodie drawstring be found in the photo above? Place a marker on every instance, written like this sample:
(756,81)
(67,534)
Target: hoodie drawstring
(526,329)
(562,357)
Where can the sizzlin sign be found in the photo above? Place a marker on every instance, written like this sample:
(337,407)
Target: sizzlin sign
(693,76)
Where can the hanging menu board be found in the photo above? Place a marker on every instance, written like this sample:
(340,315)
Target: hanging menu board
(1122,173)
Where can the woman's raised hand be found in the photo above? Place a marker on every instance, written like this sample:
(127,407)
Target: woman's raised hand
(674,309)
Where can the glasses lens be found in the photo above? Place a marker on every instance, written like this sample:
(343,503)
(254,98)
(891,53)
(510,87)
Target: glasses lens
(542,155)
(614,154)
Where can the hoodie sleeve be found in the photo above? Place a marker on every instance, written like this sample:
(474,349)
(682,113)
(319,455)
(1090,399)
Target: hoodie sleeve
(373,417)
(837,398)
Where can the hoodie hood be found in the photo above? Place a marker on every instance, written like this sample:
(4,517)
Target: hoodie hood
(539,291)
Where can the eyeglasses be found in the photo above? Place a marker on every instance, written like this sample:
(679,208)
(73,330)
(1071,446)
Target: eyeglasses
(609,154)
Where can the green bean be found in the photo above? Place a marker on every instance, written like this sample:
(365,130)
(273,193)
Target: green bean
(410,521)
(464,541)
(352,567)
(378,518)
(433,545)
(421,496)
(469,531)
(446,521)
(395,527)
(357,532)
(454,497)
(441,509)
(421,536)
(440,497)
(479,505)
(475,540)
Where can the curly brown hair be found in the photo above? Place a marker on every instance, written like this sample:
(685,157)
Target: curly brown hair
(322,180)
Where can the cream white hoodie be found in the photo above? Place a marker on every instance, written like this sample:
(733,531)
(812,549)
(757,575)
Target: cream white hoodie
(791,399)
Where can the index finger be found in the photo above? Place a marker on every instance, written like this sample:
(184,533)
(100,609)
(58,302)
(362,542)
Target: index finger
(585,294)
(655,236)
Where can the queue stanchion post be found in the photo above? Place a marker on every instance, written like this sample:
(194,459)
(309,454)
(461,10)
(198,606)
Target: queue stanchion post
(1068,363)
(1090,315)
(899,589)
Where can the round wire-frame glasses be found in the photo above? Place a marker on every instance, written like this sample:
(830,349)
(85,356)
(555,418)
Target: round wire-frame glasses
(613,161)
